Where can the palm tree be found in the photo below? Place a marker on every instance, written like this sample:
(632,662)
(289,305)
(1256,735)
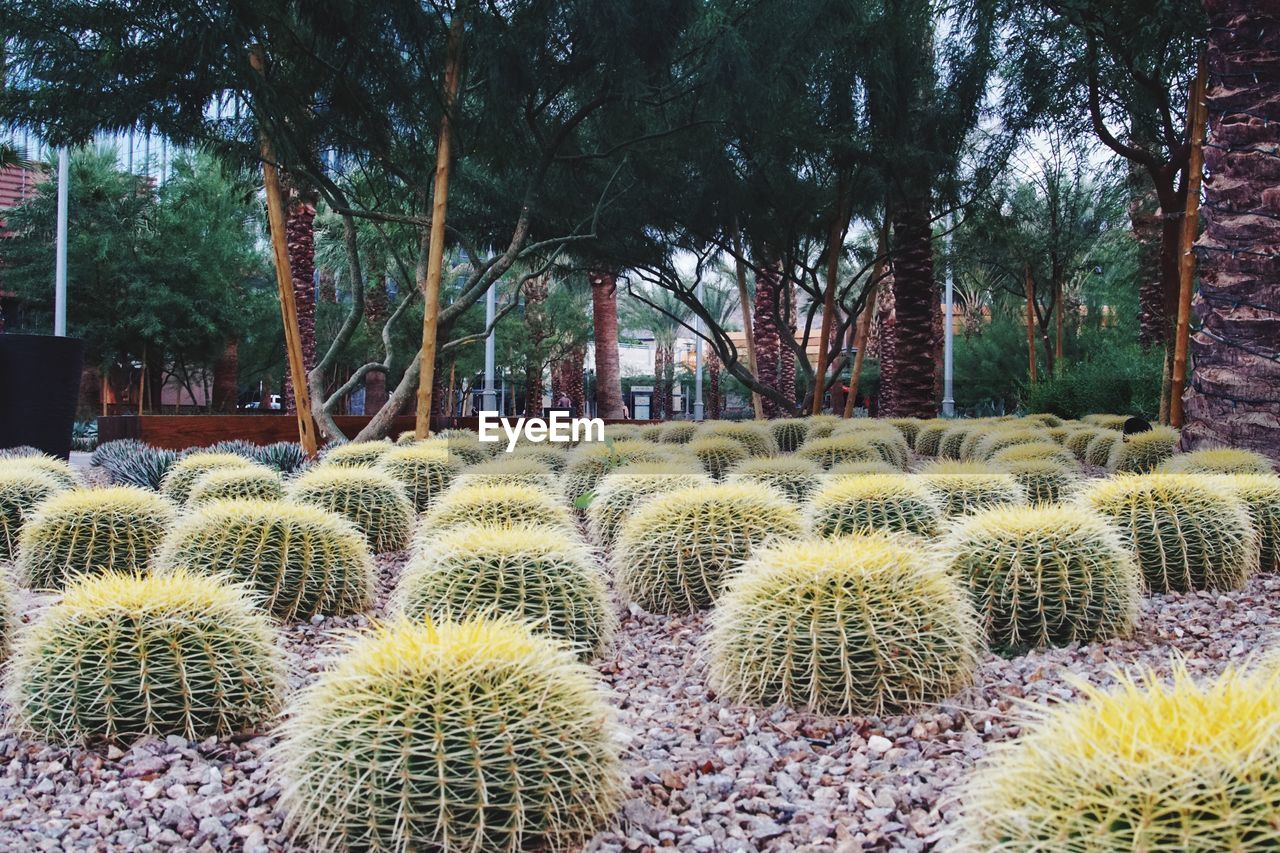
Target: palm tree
(1234,396)
(604,316)
(768,339)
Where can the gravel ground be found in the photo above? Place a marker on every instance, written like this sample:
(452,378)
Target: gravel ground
(705,775)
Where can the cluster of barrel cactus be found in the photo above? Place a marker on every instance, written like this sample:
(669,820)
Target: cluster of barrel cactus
(367,497)
(875,502)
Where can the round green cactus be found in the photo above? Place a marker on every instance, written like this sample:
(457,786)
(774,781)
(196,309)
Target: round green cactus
(857,469)
(1048,450)
(929,439)
(1045,481)
(909,427)
(534,574)
(91,531)
(951,445)
(123,656)
(512,470)
(838,449)
(875,502)
(1042,419)
(367,497)
(57,469)
(794,477)
(1142,452)
(20,493)
(1189,532)
(1218,460)
(891,446)
(789,433)
(182,475)
(297,560)
(1099,450)
(425,470)
(1260,494)
(356,454)
(1112,422)
(863,625)
(466,447)
(513,744)
(756,440)
(962,488)
(227,484)
(622,491)
(718,455)
(1143,765)
(995,441)
(495,506)
(1044,575)
(677,432)
(552,456)
(675,553)
(1078,441)
(822,426)
(589,463)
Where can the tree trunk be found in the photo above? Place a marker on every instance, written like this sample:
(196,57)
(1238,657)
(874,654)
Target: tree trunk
(1144,222)
(226,388)
(301,237)
(571,379)
(883,346)
(787,355)
(712,409)
(915,361)
(668,379)
(1234,398)
(659,405)
(604,318)
(765,332)
(535,295)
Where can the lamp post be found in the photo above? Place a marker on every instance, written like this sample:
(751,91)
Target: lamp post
(489,398)
(698,407)
(948,340)
(60,248)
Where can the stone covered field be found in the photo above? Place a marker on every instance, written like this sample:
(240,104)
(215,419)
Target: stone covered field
(701,768)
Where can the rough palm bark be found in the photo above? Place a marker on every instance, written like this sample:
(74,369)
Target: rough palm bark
(882,346)
(300,237)
(604,318)
(914,392)
(535,297)
(787,355)
(1144,224)
(570,379)
(226,389)
(712,408)
(765,331)
(1234,396)
(658,408)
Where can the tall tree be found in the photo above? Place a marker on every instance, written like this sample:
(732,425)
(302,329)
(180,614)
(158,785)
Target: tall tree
(604,317)
(1234,396)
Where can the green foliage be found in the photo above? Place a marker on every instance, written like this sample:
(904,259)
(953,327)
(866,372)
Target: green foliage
(369,498)
(513,739)
(1189,532)
(1113,379)
(20,493)
(122,656)
(875,502)
(91,531)
(866,625)
(297,561)
(249,483)
(534,574)
(1044,576)
(677,551)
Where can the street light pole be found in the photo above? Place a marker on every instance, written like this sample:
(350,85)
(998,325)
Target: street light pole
(948,339)
(60,250)
(489,400)
(698,407)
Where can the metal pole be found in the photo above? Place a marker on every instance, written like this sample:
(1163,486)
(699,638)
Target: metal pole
(60,251)
(698,409)
(948,340)
(489,398)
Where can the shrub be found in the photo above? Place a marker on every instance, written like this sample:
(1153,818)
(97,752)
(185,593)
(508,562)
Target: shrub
(424,470)
(356,454)
(961,488)
(789,433)
(20,493)
(115,450)
(837,450)
(1046,450)
(1218,460)
(1142,453)
(1044,576)
(122,656)
(91,531)
(56,469)
(795,477)
(864,625)
(875,502)
(718,455)
(1188,532)
(1140,766)
(138,465)
(513,743)
(622,491)
(755,440)
(224,484)
(589,463)
(674,554)
(510,471)
(677,432)
(1260,494)
(929,438)
(534,574)
(368,498)
(495,506)
(287,457)
(1099,450)
(1044,480)
(182,475)
(297,560)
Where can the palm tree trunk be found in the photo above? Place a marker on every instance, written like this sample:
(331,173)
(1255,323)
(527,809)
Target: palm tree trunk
(1144,222)
(914,356)
(535,295)
(884,347)
(765,332)
(226,389)
(1234,398)
(300,235)
(787,355)
(659,405)
(712,410)
(604,317)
